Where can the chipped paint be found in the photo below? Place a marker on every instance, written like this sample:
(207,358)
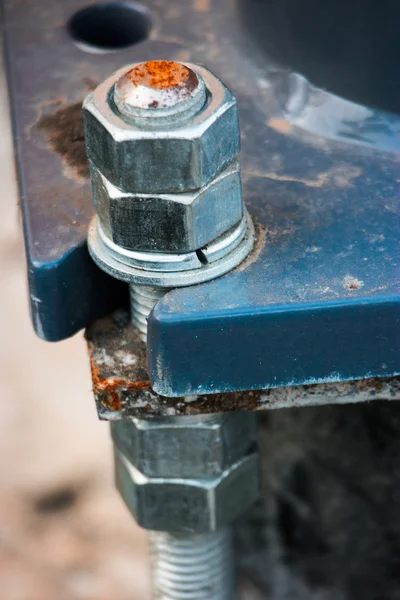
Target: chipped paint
(123,390)
(190,399)
(109,389)
(117,361)
(352,283)
(349,392)
(126,358)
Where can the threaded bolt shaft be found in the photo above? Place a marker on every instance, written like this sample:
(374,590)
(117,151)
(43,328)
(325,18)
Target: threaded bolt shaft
(143,299)
(185,566)
(192,566)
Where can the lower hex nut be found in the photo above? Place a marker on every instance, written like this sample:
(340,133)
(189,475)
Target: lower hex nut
(188,505)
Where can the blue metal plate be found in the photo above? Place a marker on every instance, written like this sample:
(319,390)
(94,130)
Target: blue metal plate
(321,301)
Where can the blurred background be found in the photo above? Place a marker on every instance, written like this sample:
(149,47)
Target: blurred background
(64,532)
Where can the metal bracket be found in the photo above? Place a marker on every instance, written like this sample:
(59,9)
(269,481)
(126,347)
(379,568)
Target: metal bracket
(319,299)
(122,388)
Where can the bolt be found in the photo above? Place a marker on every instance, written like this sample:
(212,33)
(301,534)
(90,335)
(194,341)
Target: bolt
(159,89)
(169,202)
(182,567)
(170,177)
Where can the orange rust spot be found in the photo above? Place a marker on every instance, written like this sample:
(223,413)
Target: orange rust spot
(280,125)
(160,75)
(110,386)
(113,402)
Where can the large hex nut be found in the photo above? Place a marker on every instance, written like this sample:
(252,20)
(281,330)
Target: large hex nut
(185,447)
(169,222)
(176,159)
(188,505)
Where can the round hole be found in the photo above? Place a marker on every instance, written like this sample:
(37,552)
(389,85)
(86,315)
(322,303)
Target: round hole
(110,26)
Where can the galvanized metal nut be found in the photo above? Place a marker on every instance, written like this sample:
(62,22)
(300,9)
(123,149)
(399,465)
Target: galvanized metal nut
(169,222)
(188,505)
(168,270)
(185,447)
(182,155)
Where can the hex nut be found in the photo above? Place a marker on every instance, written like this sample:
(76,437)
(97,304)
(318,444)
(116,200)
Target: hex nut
(169,222)
(188,505)
(185,447)
(172,160)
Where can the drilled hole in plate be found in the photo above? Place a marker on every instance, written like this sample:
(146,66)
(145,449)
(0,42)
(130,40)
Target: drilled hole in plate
(109,26)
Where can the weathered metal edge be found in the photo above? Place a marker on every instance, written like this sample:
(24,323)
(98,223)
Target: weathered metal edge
(144,402)
(122,388)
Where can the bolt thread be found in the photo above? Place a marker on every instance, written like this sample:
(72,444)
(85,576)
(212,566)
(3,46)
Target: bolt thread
(192,566)
(185,566)
(143,299)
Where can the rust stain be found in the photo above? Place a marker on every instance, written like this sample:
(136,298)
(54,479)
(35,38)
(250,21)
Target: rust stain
(341,176)
(162,75)
(122,388)
(109,387)
(65,136)
(202,6)
(260,234)
(279,125)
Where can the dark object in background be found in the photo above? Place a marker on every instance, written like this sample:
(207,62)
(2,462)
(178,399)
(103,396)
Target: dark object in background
(329,525)
(350,48)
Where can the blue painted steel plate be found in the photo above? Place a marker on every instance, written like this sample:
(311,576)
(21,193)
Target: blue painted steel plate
(321,300)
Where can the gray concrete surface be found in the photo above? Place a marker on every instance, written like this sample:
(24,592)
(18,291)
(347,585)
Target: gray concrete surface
(64,532)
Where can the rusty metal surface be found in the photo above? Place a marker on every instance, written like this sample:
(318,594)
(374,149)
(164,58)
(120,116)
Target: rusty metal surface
(122,388)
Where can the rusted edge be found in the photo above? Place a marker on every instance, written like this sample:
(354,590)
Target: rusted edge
(110,389)
(122,388)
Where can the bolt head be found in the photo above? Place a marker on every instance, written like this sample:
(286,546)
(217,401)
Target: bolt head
(155,84)
(159,93)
